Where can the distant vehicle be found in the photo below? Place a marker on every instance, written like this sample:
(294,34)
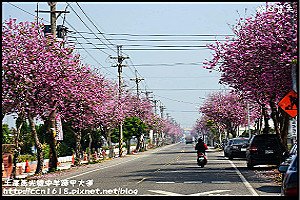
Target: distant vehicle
(236,148)
(189,139)
(289,185)
(263,150)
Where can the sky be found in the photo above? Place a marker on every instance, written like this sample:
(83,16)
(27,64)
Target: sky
(165,42)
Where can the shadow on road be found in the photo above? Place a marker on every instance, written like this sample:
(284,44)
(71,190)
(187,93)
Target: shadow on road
(269,189)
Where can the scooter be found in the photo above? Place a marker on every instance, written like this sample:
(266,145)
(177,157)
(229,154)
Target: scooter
(201,160)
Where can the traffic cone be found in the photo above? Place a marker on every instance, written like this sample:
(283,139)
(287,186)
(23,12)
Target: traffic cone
(73,159)
(27,168)
(103,153)
(85,158)
(96,157)
(4,174)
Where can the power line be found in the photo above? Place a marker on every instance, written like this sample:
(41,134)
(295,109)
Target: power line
(145,45)
(165,35)
(140,49)
(182,111)
(89,29)
(85,48)
(191,89)
(170,64)
(182,77)
(96,28)
(177,100)
(164,40)
(27,12)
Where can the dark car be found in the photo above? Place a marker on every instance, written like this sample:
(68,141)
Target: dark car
(236,148)
(290,155)
(289,158)
(290,178)
(263,150)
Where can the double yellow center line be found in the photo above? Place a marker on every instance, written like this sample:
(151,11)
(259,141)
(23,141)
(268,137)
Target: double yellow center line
(167,164)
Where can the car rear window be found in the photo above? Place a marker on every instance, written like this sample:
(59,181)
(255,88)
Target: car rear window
(265,141)
(237,142)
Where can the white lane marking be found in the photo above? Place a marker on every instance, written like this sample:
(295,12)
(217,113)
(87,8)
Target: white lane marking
(165,192)
(198,171)
(220,182)
(196,194)
(246,183)
(195,161)
(196,182)
(210,192)
(165,182)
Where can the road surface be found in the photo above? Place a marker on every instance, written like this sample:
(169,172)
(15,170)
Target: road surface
(170,170)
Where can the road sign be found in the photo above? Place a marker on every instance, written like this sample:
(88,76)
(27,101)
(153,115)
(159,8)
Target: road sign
(289,103)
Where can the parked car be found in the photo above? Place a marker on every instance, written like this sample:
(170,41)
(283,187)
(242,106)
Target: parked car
(293,150)
(290,177)
(236,147)
(289,157)
(263,150)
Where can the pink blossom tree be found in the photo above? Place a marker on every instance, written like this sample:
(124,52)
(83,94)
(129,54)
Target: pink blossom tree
(228,111)
(34,73)
(258,61)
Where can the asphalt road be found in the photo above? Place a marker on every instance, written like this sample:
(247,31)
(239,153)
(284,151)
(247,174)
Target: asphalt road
(170,170)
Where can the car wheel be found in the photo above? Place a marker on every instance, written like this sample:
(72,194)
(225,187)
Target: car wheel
(225,154)
(250,166)
(230,157)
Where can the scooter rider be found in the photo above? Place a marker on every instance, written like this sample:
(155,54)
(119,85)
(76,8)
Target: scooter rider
(200,146)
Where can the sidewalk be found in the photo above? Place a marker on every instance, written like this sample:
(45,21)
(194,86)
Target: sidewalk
(64,163)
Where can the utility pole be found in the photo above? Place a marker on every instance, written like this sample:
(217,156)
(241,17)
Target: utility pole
(155,106)
(51,122)
(162,108)
(137,80)
(53,17)
(147,94)
(155,134)
(120,59)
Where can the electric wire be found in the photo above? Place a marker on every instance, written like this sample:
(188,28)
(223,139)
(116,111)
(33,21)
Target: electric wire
(27,12)
(96,28)
(164,35)
(88,28)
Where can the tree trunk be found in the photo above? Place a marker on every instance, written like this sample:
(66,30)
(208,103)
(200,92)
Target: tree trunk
(89,148)
(51,130)
(111,149)
(17,151)
(266,129)
(40,153)
(138,143)
(281,125)
(128,146)
(77,145)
